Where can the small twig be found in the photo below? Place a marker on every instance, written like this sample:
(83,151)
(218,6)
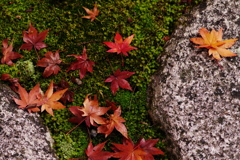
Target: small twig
(130,103)
(110,64)
(86,42)
(122,60)
(89,135)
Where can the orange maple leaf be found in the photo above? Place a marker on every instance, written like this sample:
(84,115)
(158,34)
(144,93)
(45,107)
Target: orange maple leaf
(115,121)
(213,41)
(92,14)
(92,111)
(49,100)
(28,101)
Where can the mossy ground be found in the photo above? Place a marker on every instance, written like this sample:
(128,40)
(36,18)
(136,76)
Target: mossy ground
(148,20)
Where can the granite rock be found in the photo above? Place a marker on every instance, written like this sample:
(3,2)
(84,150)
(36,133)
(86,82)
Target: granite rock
(23,136)
(193,98)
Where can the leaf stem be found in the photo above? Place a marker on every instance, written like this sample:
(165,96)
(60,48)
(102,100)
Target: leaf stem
(110,64)
(37,53)
(86,42)
(122,60)
(76,126)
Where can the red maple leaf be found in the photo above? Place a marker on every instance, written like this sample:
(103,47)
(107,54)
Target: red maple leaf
(68,95)
(78,115)
(115,121)
(14,82)
(50,62)
(120,46)
(92,14)
(96,153)
(28,101)
(147,146)
(127,150)
(82,64)
(142,150)
(8,54)
(5,77)
(33,39)
(118,80)
(112,105)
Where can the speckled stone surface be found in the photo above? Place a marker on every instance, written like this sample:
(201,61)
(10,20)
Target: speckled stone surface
(23,136)
(192,99)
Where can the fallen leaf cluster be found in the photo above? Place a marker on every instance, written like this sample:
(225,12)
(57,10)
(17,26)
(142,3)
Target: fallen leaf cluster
(92,115)
(142,150)
(105,119)
(51,61)
(35,98)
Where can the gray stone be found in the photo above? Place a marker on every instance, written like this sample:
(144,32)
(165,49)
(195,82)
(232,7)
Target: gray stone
(23,136)
(196,102)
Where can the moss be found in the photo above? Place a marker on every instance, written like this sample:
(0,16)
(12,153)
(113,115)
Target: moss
(148,20)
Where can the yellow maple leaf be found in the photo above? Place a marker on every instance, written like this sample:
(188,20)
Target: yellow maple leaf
(213,41)
(92,14)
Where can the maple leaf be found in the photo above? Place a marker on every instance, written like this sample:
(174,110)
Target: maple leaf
(90,113)
(112,105)
(50,62)
(92,14)
(49,100)
(120,46)
(147,146)
(142,150)
(118,80)
(115,121)
(96,153)
(213,41)
(78,113)
(33,39)
(78,119)
(82,64)
(68,95)
(5,77)
(8,54)
(28,101)
(92,110)
(128,151)
(13,81)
